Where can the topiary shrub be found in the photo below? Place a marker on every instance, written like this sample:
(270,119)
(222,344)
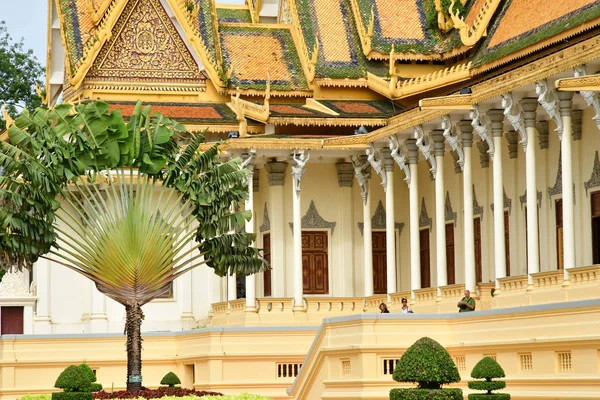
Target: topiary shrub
(76,384)
(94,387)
(488,368)
(170,380)
(429,365)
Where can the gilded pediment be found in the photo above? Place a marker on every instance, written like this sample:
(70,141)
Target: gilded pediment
(145,47)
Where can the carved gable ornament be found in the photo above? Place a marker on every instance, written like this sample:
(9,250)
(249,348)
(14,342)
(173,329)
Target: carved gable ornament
(378,221)
(13,285)
(424,220)
(145,46)
(312,220)
(266,225)
(595,177)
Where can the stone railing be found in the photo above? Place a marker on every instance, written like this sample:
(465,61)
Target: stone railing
(549,279)
(514,291)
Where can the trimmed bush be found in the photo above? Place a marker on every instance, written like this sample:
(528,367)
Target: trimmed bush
(95,387)
(170,380)
(72,396)
(426,394)
(427,363)
(88,372)
(73,379)
(487,368)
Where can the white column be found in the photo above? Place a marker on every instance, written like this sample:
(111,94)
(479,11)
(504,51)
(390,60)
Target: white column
(345,282)
(183,286)
(529,106)
(497,117)
(299,160)
(440,214)
(566,104)
(466,130)
(231,287)
(250,279)
(415,246)
(368,244)
(390,226)
(42,321)
(276,180)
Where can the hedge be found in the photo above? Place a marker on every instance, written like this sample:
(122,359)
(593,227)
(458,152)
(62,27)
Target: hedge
(72,396)
(485,385)
(491,396)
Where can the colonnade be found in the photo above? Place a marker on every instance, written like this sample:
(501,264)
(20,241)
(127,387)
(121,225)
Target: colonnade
(382,160)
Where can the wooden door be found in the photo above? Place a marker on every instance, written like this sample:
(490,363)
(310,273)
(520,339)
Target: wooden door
(507,242)
(425,262)
(11,321)
(379,262)
(315,271)
(450,271)
(596,227)
(560,259)
(477,236)
(267,273)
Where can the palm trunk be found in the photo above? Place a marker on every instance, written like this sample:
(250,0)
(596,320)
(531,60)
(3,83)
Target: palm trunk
(133,324)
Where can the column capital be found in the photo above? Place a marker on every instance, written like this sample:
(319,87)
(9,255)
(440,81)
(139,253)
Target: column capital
(543,130)
(565,102)
(388,160)
(345,173)
(484,156)
(276,172)
(529,106)
(576,117)
(496,117)
(413,151)
(513,142)
(439,142)
(466,132)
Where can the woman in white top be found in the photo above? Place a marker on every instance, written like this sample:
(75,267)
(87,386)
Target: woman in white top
(405,308)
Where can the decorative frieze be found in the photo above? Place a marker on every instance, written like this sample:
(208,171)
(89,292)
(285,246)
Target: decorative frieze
(266,225)
(450,214)
(345,174)
(591,98)
(523,199)
(513,141)
(507,203)
(424,220)
(594,180)
(378,221)
(276,172)
(313,220)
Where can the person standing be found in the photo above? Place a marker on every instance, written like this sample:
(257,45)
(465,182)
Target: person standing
(405,308)
(383,308)
(467,303)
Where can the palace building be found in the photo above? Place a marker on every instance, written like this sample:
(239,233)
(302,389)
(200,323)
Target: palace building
(397,148)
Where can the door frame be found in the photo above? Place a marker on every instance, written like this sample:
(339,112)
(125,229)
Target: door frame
(329,263)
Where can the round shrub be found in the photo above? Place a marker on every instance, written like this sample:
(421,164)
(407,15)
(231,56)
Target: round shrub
(427,363)
(73,379)
(485,385)
(487,368)
(88,371)
(170,380)
(426,394)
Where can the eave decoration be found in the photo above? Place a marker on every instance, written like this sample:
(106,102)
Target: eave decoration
(244,108)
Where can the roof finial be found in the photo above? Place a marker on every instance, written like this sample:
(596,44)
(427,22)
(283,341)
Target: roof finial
(6,116)
(39,92)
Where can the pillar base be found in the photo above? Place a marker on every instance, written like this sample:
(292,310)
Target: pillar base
(529,287)
(251,310)
(187,320)
(298,309)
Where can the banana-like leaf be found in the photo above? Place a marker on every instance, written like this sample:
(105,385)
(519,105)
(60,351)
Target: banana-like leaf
(131,239)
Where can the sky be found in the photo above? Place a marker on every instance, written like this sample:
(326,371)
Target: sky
(27,19)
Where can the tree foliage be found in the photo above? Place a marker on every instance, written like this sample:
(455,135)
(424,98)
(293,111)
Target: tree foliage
(19,72)
(487,369)
(170,379)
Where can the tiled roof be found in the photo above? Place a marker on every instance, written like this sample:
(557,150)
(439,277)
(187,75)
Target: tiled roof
(363,108)
(256,51)
(409,25)
(332,22)
(345,109)
(206,25)
(234,15)
(78,29)
(184,112)
(514,28)
(474,11)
